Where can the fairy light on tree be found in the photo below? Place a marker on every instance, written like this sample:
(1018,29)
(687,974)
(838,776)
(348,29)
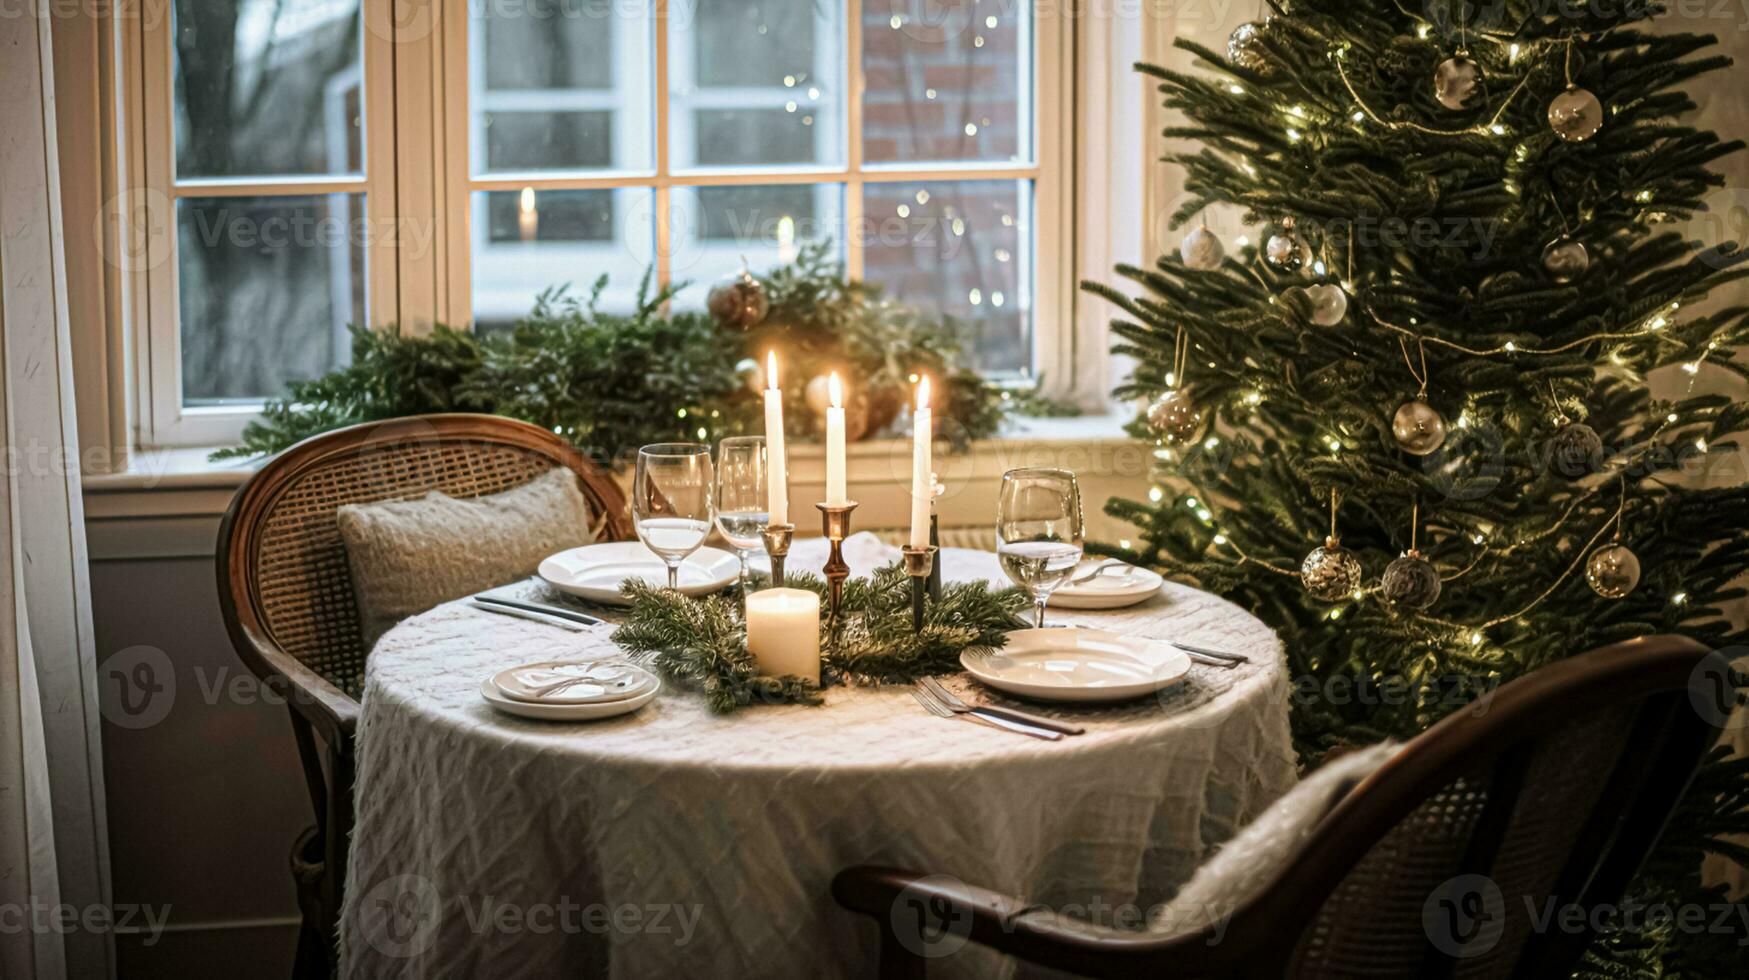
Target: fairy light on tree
(1531,321)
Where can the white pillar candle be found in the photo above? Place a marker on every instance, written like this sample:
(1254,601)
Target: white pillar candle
(836,495)
(922,495)
(777,459)
(783,632)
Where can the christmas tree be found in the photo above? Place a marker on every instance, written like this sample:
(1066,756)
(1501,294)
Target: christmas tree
(1411,427)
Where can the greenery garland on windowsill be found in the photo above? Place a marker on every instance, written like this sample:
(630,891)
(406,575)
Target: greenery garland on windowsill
(701,644)
(612,382)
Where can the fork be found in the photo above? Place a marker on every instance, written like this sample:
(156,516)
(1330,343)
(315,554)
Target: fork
(940,710)
(956,704)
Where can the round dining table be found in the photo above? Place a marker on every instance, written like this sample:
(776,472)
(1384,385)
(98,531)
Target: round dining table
(674,842)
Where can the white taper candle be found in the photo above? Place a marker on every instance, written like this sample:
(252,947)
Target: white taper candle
(777,458)
(836,495)
(922,493)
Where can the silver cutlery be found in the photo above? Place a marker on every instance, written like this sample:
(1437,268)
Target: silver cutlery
(940,710)
(559,612)
(1217,654)
(533,617)
(1208,661)
(1101,569)
(956,704)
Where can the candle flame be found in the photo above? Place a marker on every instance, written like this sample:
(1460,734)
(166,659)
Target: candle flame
(836,389)
(771,369)
(923,393)
(526,201)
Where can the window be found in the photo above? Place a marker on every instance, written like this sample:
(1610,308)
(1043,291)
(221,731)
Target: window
(296,144)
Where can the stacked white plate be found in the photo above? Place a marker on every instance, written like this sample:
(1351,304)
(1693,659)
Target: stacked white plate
(571,690)
(1110,587)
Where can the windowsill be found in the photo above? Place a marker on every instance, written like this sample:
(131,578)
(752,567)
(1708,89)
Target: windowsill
(168,503)
(188,468)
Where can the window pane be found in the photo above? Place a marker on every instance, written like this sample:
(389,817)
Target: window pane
(527,241)
(559,85)
(946,80)
(963,248)
(720,229)
(267,88)
(755,83)
(266,288)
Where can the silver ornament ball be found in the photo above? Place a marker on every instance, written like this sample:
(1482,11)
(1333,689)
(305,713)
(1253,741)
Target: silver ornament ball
(1575,115)
(1202,249)
(1329,304)
(1411,581)
(1175,417)
(1330,573)
(1284,251)
(1418,427)
(1565,259)
(751,373)
(1456,81)
(1244,49)
(1612,571)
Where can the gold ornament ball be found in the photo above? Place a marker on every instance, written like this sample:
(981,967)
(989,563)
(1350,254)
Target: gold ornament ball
(1456,81)
(1575,450)
(1411,582)
(1613,571)
(1575,115)
(1174,416)
(1418,427)
(1330,573)
(738,301)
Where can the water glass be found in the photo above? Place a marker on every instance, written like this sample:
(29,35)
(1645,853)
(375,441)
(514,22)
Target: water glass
(1039,531)
(672,502)
(743,509)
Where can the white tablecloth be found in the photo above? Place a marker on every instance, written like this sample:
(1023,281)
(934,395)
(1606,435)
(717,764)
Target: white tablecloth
(674,842)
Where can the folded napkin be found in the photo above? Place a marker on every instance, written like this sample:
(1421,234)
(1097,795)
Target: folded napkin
(573,683)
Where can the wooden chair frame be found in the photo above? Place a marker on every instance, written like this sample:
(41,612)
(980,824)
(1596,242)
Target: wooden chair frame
(1668,743)
(321,712)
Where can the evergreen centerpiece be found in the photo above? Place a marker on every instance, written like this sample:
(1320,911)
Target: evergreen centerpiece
(702,643)
(1436,365)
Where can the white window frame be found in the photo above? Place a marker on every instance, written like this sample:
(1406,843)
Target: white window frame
(419,175)
(1050,278)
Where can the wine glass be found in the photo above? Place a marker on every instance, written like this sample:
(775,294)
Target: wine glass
(743,510)
(671,501)
(1039,531)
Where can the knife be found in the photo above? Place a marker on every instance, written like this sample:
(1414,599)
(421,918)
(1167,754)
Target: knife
(557,612)
(979,714)
(536,617)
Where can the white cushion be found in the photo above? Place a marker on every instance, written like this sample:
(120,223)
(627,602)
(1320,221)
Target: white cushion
(407,556)
(1252,859)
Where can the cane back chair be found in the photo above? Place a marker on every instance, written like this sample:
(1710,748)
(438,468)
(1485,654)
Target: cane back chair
(286,593)
(1552,790)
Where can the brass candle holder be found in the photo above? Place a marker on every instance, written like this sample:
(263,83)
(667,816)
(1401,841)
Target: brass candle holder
(919,564)
(935,568)
(835,524)
(777,538)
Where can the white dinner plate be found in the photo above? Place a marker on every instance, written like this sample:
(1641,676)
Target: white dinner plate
(564,712)
(596,571)
(1077,664)
(593,681)
(1109,590)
